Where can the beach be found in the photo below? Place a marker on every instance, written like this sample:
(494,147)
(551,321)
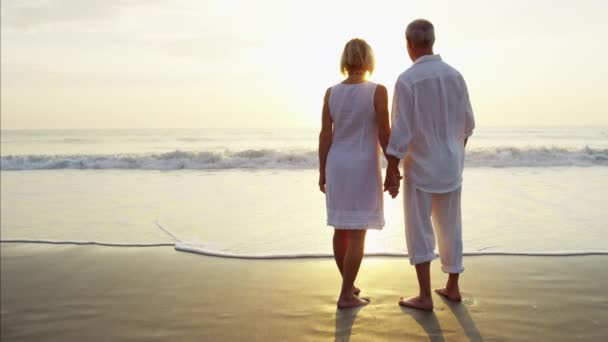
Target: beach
(163,170)
(75,293)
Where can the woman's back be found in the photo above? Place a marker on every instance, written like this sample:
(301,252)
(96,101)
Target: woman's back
(352,111)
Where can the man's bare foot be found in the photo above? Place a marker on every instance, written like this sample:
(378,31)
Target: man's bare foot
(453,295)
(417,303)
(351,302)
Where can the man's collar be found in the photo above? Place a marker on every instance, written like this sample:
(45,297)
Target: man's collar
(427,58)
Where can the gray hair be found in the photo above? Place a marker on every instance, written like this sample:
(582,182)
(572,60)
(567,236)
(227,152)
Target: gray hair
(421,33)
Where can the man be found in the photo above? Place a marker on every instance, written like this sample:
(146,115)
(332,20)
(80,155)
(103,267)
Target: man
(431,122)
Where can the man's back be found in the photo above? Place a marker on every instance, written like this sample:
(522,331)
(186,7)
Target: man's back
(432,116)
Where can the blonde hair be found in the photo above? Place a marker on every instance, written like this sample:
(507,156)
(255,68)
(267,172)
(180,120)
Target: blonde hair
(357,55)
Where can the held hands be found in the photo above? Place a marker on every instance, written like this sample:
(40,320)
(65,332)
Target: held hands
(392,180)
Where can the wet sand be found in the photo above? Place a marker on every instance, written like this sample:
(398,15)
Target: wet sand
(76,293)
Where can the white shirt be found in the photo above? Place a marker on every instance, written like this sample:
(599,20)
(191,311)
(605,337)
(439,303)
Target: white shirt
(431,117)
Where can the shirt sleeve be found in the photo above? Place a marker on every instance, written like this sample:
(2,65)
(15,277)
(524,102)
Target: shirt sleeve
(469,118)
(402,119)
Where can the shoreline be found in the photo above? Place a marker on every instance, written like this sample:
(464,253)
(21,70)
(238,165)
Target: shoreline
(198,249)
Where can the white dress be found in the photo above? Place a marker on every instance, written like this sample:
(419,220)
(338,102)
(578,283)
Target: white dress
(353,172)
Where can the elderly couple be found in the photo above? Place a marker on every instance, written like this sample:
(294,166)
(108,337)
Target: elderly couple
(431,122)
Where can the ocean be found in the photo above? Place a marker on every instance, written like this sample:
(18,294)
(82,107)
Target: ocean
(253,193)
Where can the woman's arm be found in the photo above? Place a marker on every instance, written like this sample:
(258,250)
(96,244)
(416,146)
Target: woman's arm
(391,181)
(325,138)
(381,106)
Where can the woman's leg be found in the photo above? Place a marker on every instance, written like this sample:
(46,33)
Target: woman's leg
(352,261)
(340,243)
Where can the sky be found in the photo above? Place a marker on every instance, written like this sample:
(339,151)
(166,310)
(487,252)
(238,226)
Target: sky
(72,64)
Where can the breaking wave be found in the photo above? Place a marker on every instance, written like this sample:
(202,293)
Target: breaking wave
(276,159)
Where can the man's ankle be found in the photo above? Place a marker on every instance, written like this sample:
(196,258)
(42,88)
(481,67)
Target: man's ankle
(452,283)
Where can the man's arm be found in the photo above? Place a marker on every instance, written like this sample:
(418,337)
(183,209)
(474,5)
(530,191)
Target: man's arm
(402,117)
(401,134)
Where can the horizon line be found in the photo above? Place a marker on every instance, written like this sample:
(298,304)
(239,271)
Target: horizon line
(275,128)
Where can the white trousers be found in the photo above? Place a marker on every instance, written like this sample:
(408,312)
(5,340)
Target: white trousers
(444,209)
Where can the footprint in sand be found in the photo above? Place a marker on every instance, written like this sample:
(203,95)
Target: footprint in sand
(468,299)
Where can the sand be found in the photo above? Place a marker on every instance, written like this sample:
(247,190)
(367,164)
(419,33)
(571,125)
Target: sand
(84,293)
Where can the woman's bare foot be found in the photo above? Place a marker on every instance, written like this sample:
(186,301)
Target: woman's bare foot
(417,303)
(453,295)
(351,302)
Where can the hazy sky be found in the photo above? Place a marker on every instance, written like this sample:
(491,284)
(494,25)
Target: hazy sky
(140,64)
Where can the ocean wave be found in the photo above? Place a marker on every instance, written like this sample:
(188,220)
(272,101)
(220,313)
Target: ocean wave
(276,159)
(536,157)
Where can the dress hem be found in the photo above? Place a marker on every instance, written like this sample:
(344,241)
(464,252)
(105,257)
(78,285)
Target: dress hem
(356,226)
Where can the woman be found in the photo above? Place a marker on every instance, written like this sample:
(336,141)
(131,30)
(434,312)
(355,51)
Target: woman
(355,122)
